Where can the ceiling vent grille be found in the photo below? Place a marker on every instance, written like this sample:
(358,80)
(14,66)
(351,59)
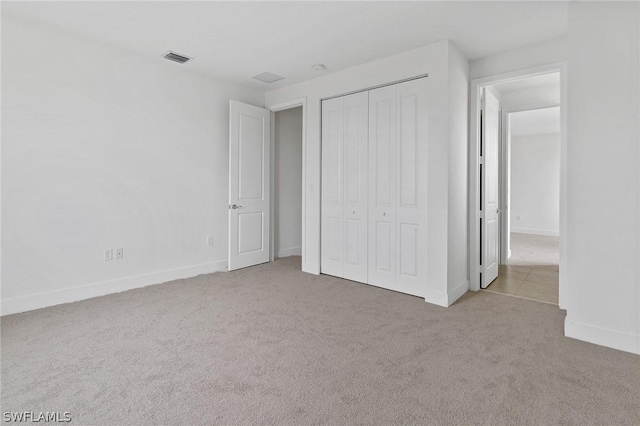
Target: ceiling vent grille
(176,57)
(268,77)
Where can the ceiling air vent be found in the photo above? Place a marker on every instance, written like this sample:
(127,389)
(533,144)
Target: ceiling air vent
(176,57)
(268,77)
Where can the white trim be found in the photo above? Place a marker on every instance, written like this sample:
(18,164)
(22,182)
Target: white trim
(293,251)
(602,336)
(474,140)
(272,193)
(446,299)
(533,108)
(638,284)
(505,186)
(545,232)
(42,300)
(437,298)
(457,292)
(378,86)
(281,106)
(563,276)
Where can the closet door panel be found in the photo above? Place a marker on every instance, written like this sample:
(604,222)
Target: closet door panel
(382,186)
(332,211)
(411,207)
(382,253)
(374,181)
(356,146)
(408,249)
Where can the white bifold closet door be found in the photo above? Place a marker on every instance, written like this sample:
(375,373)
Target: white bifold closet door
(344,187)
(374,180)
(397,187)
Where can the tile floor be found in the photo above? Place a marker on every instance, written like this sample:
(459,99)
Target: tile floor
(532,272)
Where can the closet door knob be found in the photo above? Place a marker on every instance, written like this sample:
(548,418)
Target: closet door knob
(353,212)
(384,214)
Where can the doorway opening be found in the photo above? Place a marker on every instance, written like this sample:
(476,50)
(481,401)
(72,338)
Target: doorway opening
(530,255)
(523,228)
(287,182)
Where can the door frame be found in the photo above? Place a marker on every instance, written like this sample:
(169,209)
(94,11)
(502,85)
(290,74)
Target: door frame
(295,103)
(505,186)
(505,179)
(474,149)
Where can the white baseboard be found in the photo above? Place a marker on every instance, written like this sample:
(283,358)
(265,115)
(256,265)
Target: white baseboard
(456,292)
(544,232)
(602,336)
(294,251)
(446,299)
(15,305)
(437,298)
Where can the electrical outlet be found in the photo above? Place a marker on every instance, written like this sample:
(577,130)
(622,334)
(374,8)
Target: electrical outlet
(119,253)
(108,254)
(210,240)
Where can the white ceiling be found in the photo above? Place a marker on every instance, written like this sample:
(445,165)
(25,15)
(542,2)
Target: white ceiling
(237,40)
(535,122)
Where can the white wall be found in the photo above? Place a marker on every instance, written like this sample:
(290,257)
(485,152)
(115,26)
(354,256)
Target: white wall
(531,98)
(432,59)
(548,52)
(604,174)
(104,149)
(458,221)
(288,182)
(535,184)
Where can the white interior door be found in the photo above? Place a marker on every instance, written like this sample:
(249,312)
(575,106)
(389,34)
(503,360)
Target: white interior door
(356,142)
(249,185)
(397,186)
(382,186)
(344,187)
(411,184)
(332,217)
(490,185)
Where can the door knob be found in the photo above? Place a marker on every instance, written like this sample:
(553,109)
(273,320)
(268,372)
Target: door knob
(235,206)
(384,214)
(353,212)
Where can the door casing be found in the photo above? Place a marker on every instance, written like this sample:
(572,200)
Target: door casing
(474,150)
(300,102)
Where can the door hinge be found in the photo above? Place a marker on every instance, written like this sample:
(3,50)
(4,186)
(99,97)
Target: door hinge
(481,160)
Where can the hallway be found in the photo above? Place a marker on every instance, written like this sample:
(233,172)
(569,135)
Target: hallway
(532,272)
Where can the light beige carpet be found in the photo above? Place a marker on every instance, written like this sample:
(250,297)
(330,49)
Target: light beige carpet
(272,345)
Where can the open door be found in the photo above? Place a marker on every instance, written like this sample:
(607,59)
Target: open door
(489,187)
(249,186)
